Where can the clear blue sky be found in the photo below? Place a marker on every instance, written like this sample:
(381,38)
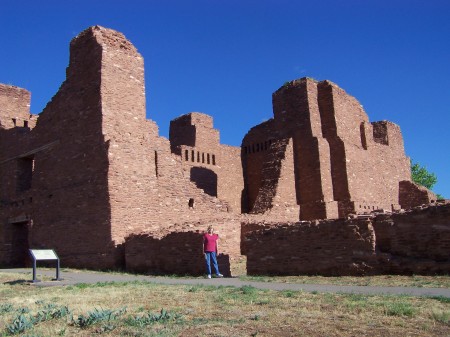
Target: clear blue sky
(225,58)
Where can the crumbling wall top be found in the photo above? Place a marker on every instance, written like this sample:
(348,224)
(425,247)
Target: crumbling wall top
(194,118)
(106,37)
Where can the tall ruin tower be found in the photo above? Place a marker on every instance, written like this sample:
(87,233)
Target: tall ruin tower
(93,170)
(340,163)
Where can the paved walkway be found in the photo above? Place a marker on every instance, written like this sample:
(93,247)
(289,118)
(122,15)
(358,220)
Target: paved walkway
(71,278)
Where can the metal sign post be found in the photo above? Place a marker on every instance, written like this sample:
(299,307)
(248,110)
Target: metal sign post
(42,255)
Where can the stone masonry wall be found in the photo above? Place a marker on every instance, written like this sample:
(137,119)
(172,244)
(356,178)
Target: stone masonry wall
(412,194)
(92,179)
(416,241)
(359,176)
(15,173)
(343,163)
(412,242)
(277,195)
(255,147)
(96,167)
(213,167)
(336,247)
(178,249)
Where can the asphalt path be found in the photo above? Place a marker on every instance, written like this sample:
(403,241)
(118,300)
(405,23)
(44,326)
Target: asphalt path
(90,277)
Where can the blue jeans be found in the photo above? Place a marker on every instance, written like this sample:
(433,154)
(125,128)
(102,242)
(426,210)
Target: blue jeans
(211,256)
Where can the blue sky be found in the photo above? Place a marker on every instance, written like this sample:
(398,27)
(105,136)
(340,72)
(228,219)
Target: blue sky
(226,58)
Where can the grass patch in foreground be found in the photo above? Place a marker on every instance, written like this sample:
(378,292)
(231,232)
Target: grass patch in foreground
(143,309)
(437,281)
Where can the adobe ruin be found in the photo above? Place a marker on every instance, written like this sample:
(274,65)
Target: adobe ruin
(91,178)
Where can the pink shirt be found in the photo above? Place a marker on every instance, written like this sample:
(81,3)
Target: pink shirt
(209,242)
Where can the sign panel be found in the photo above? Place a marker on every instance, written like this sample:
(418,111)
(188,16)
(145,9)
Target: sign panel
(44,254)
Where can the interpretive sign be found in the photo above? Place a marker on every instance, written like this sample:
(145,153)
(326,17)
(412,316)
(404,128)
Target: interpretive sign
(43,255)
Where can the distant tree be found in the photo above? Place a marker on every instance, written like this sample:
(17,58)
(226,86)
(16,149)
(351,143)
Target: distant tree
(421,176)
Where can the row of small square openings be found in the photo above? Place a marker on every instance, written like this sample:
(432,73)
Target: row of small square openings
(368,207)
(200,157)
(258,147)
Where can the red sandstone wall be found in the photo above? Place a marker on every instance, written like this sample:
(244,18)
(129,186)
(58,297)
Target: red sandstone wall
(413,242)
(343,163)
(412,194)
(326,248)
(368,160)
(15,108)
(277,195)
(178,249)
(255,147)
(213,167)
(70,188)
(100,170)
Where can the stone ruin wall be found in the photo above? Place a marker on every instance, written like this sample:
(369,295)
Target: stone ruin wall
(412,242)
(372,183)
(277,192)
(93,166)
(179,249)
(336,154)
(213,167)
(100,170)
(15,125)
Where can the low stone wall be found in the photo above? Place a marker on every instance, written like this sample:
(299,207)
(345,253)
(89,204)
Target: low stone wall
(412,242)
(178,250)
(322,247)
(412,195)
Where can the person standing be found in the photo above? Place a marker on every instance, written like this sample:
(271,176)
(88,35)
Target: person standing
(210,250)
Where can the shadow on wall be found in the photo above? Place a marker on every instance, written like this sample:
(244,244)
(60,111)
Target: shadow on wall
(176,253)
(205,179)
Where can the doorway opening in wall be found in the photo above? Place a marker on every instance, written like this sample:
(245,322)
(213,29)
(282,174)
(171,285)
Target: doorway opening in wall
(19,244)
(191,203)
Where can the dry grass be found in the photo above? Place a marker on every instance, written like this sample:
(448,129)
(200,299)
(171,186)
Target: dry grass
(438,281)
(224,311)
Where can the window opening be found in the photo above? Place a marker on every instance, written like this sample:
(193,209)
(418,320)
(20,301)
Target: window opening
(25,168)
(156,163)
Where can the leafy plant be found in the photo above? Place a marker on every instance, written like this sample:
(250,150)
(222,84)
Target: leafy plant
(150,318)
(97,316)
(20,324)
(6,307)
(51,311)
